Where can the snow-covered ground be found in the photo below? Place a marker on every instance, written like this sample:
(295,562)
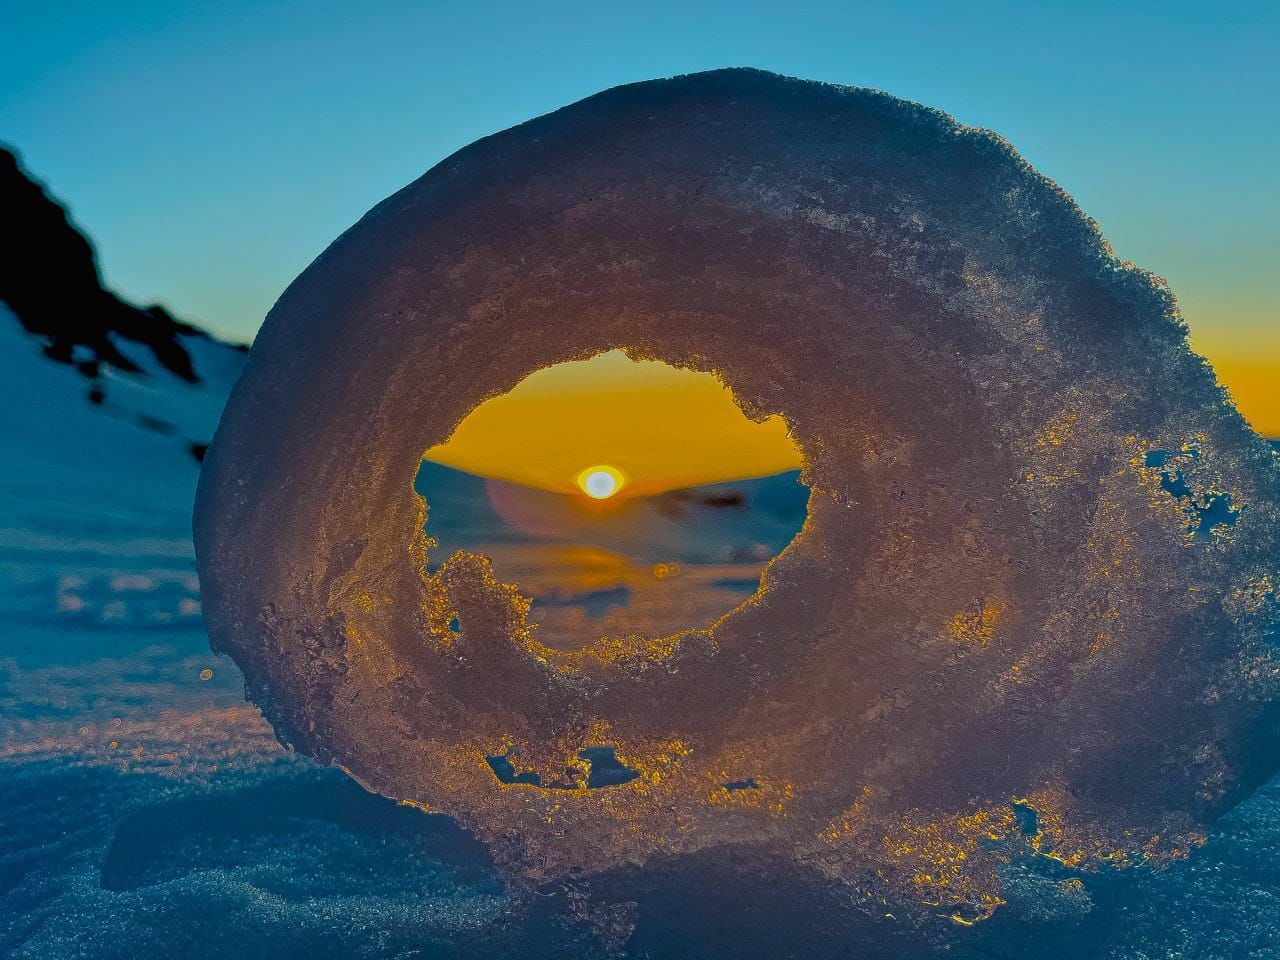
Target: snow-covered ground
(95,499)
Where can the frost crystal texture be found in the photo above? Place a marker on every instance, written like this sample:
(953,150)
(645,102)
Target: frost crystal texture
(1033,613)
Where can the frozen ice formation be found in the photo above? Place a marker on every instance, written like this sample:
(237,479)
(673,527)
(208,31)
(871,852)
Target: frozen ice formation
(1033,612)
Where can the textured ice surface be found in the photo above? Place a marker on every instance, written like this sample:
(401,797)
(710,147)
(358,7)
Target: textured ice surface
(1027,636)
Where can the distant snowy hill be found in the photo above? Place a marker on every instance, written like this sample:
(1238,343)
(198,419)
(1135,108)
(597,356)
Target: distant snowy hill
(742,521)
(98,482)
(105,412)
(77,356)
(50,280)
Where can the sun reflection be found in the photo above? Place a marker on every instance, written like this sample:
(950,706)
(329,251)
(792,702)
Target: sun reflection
(600,483)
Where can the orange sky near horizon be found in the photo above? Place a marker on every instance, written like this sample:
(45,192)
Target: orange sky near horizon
(1247,362)
(661,427)
(1255,387)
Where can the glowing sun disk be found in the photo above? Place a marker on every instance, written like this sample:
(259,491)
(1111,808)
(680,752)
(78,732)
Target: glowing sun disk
(600,483)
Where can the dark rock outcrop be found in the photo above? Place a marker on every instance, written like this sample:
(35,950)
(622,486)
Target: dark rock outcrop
(49,277)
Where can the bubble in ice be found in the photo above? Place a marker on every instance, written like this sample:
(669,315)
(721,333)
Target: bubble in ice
(1032,613)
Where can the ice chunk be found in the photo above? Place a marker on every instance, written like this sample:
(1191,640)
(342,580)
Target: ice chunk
(998,635)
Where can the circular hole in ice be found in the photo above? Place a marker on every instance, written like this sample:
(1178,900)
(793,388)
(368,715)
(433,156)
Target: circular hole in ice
(622,497)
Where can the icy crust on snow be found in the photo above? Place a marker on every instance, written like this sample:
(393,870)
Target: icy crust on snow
(1032,614)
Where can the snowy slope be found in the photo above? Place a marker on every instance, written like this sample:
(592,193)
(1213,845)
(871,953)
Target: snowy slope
(95,498)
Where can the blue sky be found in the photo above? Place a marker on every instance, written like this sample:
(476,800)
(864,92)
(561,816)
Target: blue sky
(212,150)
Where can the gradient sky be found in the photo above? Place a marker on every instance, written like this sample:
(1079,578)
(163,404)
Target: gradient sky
(659,427)
(213,150)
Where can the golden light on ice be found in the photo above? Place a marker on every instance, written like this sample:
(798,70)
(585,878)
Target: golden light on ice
(600,483)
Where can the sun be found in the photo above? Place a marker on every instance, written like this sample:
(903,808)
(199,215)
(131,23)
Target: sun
(600,482)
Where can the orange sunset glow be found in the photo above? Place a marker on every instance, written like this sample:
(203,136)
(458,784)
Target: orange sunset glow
(612,427)
(1247,363)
